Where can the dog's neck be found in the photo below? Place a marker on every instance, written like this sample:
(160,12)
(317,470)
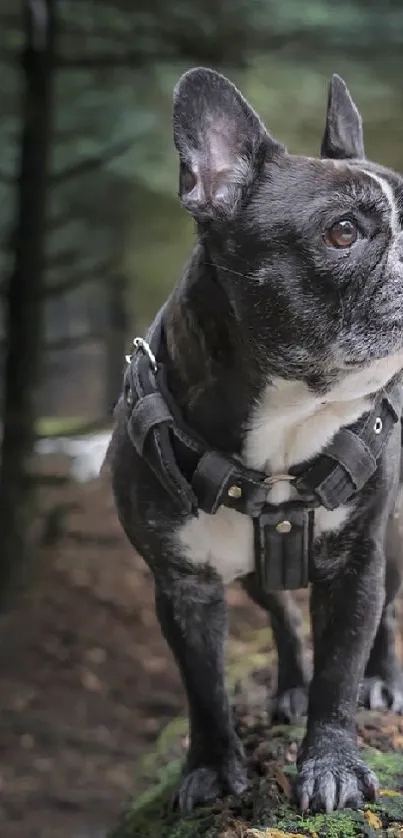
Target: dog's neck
(235,403)
(209,371)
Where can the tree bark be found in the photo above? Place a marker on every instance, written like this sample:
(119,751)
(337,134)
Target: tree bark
(24,292)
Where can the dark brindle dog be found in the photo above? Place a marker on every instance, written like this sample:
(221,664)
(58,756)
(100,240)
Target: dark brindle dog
(258,436)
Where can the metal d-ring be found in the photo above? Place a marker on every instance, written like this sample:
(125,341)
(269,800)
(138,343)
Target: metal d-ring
(141,345)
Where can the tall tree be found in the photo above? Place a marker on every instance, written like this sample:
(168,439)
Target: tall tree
(23,314)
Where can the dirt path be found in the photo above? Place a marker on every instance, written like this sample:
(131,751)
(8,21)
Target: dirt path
(86,681)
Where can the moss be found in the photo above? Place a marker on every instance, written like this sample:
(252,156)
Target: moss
(151,815)
(387,766)
(167,746)
(265,810)
(389,807)
(50,426)
(346,824)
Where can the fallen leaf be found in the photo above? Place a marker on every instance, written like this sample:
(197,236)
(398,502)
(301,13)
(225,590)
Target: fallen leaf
(372,819)
(282,780)
(96,655)
(389,793)
(91,682)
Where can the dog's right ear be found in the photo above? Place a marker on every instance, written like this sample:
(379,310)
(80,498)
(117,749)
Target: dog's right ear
(221,143)
(343,138)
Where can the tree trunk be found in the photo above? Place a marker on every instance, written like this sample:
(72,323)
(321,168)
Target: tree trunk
(24,292)
(116,344)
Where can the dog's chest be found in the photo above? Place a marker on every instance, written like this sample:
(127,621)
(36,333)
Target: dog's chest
(288,426)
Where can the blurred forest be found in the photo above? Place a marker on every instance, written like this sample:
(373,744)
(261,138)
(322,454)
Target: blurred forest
(92,236)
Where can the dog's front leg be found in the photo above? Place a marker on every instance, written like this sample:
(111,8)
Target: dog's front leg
(192,613)
(345,610)
(382,687)
(291,698)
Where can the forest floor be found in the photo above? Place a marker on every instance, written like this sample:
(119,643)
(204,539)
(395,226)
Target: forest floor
(86,680)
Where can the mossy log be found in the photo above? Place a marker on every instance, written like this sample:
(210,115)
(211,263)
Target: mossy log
(266,810)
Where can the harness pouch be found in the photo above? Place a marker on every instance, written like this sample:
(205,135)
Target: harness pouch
(283,537)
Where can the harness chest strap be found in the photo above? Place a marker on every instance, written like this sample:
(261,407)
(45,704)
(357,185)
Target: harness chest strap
(197,477)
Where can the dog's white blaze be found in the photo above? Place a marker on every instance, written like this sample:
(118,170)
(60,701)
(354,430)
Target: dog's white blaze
(288,426)
(388,192)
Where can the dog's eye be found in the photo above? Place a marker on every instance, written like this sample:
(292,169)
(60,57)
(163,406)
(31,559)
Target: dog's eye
(342,234)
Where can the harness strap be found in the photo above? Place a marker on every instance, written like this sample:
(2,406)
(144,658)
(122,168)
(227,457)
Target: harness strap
(348,462)
(150,422)
(151,411)
(221,481)
(197,477)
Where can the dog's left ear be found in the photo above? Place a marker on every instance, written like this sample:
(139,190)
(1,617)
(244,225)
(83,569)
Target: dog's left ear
(221,143)
(343,137)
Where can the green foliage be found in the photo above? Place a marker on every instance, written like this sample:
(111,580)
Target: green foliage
(113,205)
(345,824)
(387,766)
(265,812)
(151,816)
(335,26)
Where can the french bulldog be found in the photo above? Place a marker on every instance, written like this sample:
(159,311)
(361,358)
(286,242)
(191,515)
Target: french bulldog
(286,325)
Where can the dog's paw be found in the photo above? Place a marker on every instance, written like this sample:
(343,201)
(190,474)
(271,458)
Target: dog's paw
(288,706)
(334,781)
(377,694)
(205,784)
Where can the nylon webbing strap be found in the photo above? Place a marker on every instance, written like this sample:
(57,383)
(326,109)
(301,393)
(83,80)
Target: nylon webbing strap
(351,458)
(221,481)
(212,479)
(149,424)
(150,412)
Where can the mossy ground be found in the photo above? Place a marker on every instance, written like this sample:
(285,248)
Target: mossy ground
(266,809)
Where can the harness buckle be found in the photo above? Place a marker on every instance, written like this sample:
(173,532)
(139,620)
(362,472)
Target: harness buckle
(141,345)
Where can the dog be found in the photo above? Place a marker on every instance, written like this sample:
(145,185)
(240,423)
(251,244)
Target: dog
(258,434)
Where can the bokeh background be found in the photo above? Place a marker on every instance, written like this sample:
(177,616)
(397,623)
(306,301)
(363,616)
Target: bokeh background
(92,238)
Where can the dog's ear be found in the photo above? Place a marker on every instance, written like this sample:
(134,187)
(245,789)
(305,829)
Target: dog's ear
(343,137)
(221,143)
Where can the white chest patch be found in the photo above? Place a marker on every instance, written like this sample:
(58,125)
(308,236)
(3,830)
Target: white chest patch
(288,426)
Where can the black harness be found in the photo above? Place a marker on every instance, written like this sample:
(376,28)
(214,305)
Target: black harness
(198,477)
